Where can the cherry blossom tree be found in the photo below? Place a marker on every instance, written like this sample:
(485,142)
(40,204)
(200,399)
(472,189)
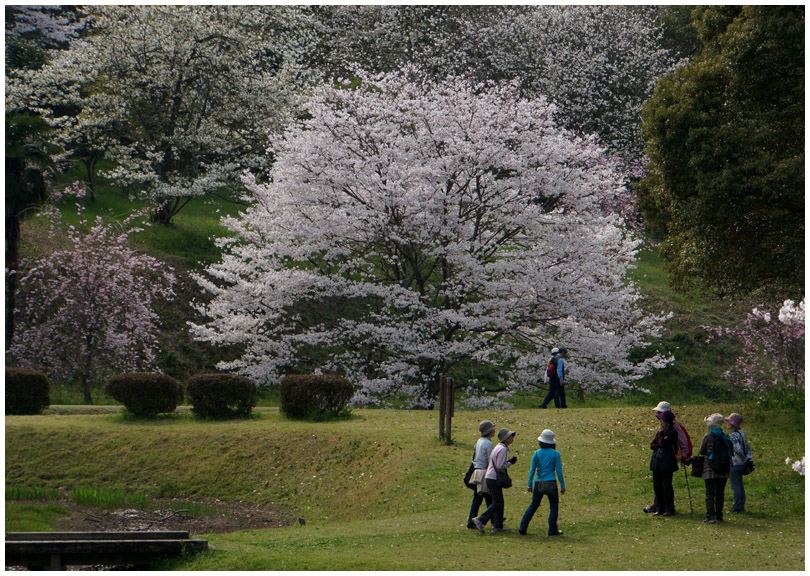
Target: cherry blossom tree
(180,97)
(409,226)
(772,358)
(86,309)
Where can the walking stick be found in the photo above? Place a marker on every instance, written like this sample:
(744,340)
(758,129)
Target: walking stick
(688,491)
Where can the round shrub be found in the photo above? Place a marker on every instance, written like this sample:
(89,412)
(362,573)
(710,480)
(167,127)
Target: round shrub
(27,391)
(221,395)
(146,393)
(314,395)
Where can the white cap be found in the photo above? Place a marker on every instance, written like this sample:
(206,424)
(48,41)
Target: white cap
(555,350)
(663,407)
(547,437)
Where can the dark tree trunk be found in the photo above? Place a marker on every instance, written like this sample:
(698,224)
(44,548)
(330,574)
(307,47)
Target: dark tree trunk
(12,255)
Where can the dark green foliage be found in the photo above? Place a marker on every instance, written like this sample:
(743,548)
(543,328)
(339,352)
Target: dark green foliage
(313,396)
(28,161)
(221,395)
(27,391)
(145,393)
(725,136)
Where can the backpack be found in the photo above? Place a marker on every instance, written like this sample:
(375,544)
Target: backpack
(684,442)
(720,458)
(551,369)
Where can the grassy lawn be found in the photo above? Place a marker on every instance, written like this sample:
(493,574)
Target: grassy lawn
(380,492)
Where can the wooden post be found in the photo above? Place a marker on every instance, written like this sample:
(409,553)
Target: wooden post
(446,408)
(451,404)
(441,406)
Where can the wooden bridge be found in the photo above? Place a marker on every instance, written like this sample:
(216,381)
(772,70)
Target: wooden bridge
(55,550)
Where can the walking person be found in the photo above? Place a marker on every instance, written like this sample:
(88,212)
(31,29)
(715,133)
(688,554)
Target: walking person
(740,459)
(556,378)
(663,463)
(547,469)
(712,449)
(497,461)
(483,449)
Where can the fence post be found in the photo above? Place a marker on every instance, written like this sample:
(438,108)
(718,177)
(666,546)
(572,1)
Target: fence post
(451,408)
(446,408)
(442,405)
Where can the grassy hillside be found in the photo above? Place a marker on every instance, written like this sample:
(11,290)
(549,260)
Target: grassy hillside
(379,491)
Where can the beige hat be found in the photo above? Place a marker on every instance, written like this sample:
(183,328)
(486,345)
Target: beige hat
(663,407)
(714,421)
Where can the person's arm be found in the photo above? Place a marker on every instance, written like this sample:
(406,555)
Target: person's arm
(747,446)
(558,465)
(532,471)
(704,446)
(656,442)
(498,458)
(670,438)
(560,369)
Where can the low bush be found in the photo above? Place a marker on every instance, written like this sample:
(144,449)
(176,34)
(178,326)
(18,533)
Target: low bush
(146,393)
(27,391)
(221,395)
(314,395)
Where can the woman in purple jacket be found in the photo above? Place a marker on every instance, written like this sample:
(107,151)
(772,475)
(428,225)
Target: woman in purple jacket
(663,463)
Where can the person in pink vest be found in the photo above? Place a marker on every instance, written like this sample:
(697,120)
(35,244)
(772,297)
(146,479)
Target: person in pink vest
(683,443)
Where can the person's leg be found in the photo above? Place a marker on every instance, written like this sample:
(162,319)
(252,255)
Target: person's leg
(720,497)
(736,480)
(529,514)
(552,394)
(498,504)
(477,499)
(667,493)
(561,396)
(487,515)
(710,515)
(550,490)
(659,502)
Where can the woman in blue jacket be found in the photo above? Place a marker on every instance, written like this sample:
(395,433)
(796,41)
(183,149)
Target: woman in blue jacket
(546,463)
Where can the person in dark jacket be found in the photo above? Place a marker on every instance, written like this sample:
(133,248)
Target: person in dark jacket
(664,464)
(715,483)
(556,380)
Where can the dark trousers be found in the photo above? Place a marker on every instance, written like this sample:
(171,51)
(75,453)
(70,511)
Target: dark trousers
(715,494)
(664,493)
(554,389)
(478,498)
(495,510)
(549,488)
(736,480)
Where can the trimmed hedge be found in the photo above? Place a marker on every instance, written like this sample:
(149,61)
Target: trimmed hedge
(146,393)
(314,395)
(221,395)
(27,391)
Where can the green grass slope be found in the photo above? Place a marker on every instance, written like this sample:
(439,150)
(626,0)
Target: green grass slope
(379,491)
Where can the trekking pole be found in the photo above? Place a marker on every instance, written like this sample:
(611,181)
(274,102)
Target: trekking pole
(688,491)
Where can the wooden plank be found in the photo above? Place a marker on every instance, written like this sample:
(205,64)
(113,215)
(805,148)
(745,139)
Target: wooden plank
(34,536)
(54,554)
(103,546)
